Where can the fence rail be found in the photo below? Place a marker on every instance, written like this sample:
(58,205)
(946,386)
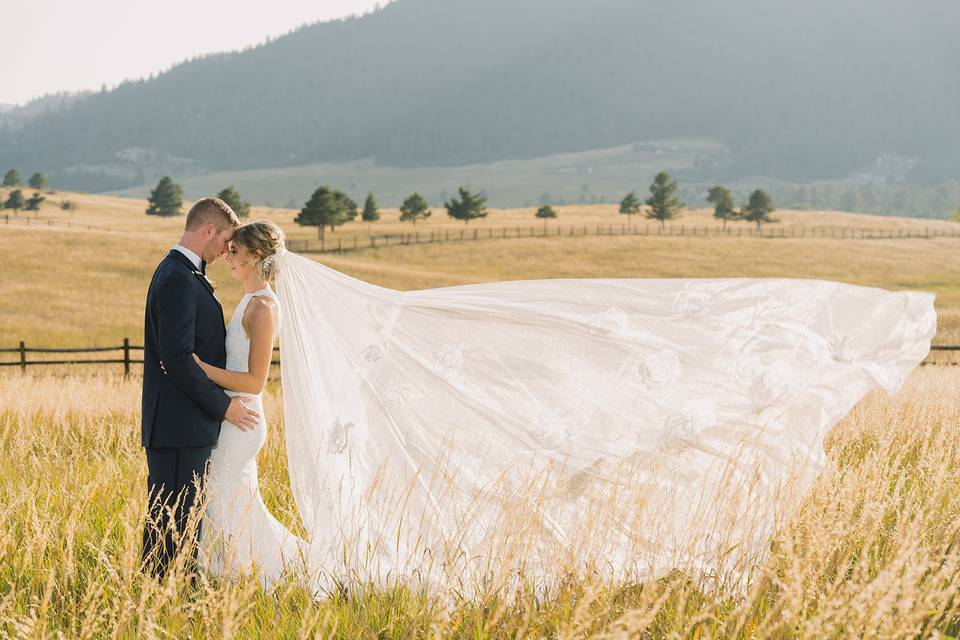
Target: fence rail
(49,222)
(356,243)
(127,361)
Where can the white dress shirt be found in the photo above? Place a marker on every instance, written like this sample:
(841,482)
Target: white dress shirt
(194,258)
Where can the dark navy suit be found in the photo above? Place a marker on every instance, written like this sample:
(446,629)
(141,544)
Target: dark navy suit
(182,409)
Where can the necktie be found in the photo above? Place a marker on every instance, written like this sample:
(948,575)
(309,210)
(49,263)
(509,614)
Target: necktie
(203,267)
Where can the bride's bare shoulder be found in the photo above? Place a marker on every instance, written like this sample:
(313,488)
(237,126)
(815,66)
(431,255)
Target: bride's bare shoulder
(260,311)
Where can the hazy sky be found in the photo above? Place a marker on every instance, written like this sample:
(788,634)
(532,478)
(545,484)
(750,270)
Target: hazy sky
(55,45)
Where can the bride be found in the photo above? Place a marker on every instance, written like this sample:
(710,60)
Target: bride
(239,533)
(495,431)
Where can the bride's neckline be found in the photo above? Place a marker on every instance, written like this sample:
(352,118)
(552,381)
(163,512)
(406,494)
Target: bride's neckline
(266,289)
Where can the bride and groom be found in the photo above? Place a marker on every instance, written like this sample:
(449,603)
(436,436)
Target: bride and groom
(203,419)
(452,432)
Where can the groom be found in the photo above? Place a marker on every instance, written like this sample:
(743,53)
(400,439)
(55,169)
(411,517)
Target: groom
(182,408)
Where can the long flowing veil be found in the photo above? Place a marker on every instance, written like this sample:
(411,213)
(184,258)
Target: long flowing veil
(525,427)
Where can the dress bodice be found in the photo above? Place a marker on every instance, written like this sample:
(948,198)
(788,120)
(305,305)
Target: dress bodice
(238,344)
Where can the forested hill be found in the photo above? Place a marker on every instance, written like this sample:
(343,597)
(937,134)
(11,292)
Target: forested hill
(796,90)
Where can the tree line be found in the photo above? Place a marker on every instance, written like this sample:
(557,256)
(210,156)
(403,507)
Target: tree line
(328,207)
(664,205)
(15,199)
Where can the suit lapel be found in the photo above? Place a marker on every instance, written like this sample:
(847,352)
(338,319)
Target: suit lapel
(176,255)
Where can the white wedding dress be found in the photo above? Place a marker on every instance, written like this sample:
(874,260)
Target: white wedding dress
(238,533)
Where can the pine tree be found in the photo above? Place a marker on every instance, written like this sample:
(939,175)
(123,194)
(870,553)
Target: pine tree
(232,197)
(468,207)
(663,204)
(546,212)
(370,212)
(326,208)
(33,204)
(38,181)
(347,207)
(11,178)
(630,205)
(413,208)
(723,204)
(165,199)
(758,208)
(14,201)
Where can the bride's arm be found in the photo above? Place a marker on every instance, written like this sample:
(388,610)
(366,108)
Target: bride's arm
(258,320)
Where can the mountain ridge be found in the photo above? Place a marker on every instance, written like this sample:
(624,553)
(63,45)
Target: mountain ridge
(817,91)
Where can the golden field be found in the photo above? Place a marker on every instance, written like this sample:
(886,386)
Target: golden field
(74,287)
(873,553)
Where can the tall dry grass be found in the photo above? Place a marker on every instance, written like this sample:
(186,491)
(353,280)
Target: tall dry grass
(872,553)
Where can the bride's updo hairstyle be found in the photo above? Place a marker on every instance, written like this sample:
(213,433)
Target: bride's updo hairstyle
(265,239)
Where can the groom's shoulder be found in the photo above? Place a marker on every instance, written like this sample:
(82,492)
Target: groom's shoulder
(171,262)
(171,270)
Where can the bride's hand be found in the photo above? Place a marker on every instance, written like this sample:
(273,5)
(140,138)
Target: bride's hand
(203,365)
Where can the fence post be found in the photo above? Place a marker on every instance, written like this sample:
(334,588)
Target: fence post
(23,356)
(126,356)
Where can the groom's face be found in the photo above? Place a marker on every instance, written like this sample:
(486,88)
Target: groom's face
(217,245)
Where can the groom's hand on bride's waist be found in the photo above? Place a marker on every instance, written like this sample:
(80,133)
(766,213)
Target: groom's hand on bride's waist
(240,415)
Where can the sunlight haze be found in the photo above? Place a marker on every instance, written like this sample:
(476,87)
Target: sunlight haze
(76,46)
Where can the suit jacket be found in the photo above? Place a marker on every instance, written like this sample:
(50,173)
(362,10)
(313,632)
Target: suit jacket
(181,407)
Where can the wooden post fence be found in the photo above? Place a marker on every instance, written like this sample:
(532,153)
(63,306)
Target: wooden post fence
(765,232)
(22,350)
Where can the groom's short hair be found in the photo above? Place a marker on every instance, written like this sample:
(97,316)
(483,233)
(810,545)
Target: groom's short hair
(211,210)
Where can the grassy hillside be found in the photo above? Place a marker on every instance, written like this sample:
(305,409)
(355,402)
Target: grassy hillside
(584,177)
(80,287)
(600,174)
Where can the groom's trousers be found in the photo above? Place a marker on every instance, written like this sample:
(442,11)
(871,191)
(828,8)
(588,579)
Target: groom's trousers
(175,478)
